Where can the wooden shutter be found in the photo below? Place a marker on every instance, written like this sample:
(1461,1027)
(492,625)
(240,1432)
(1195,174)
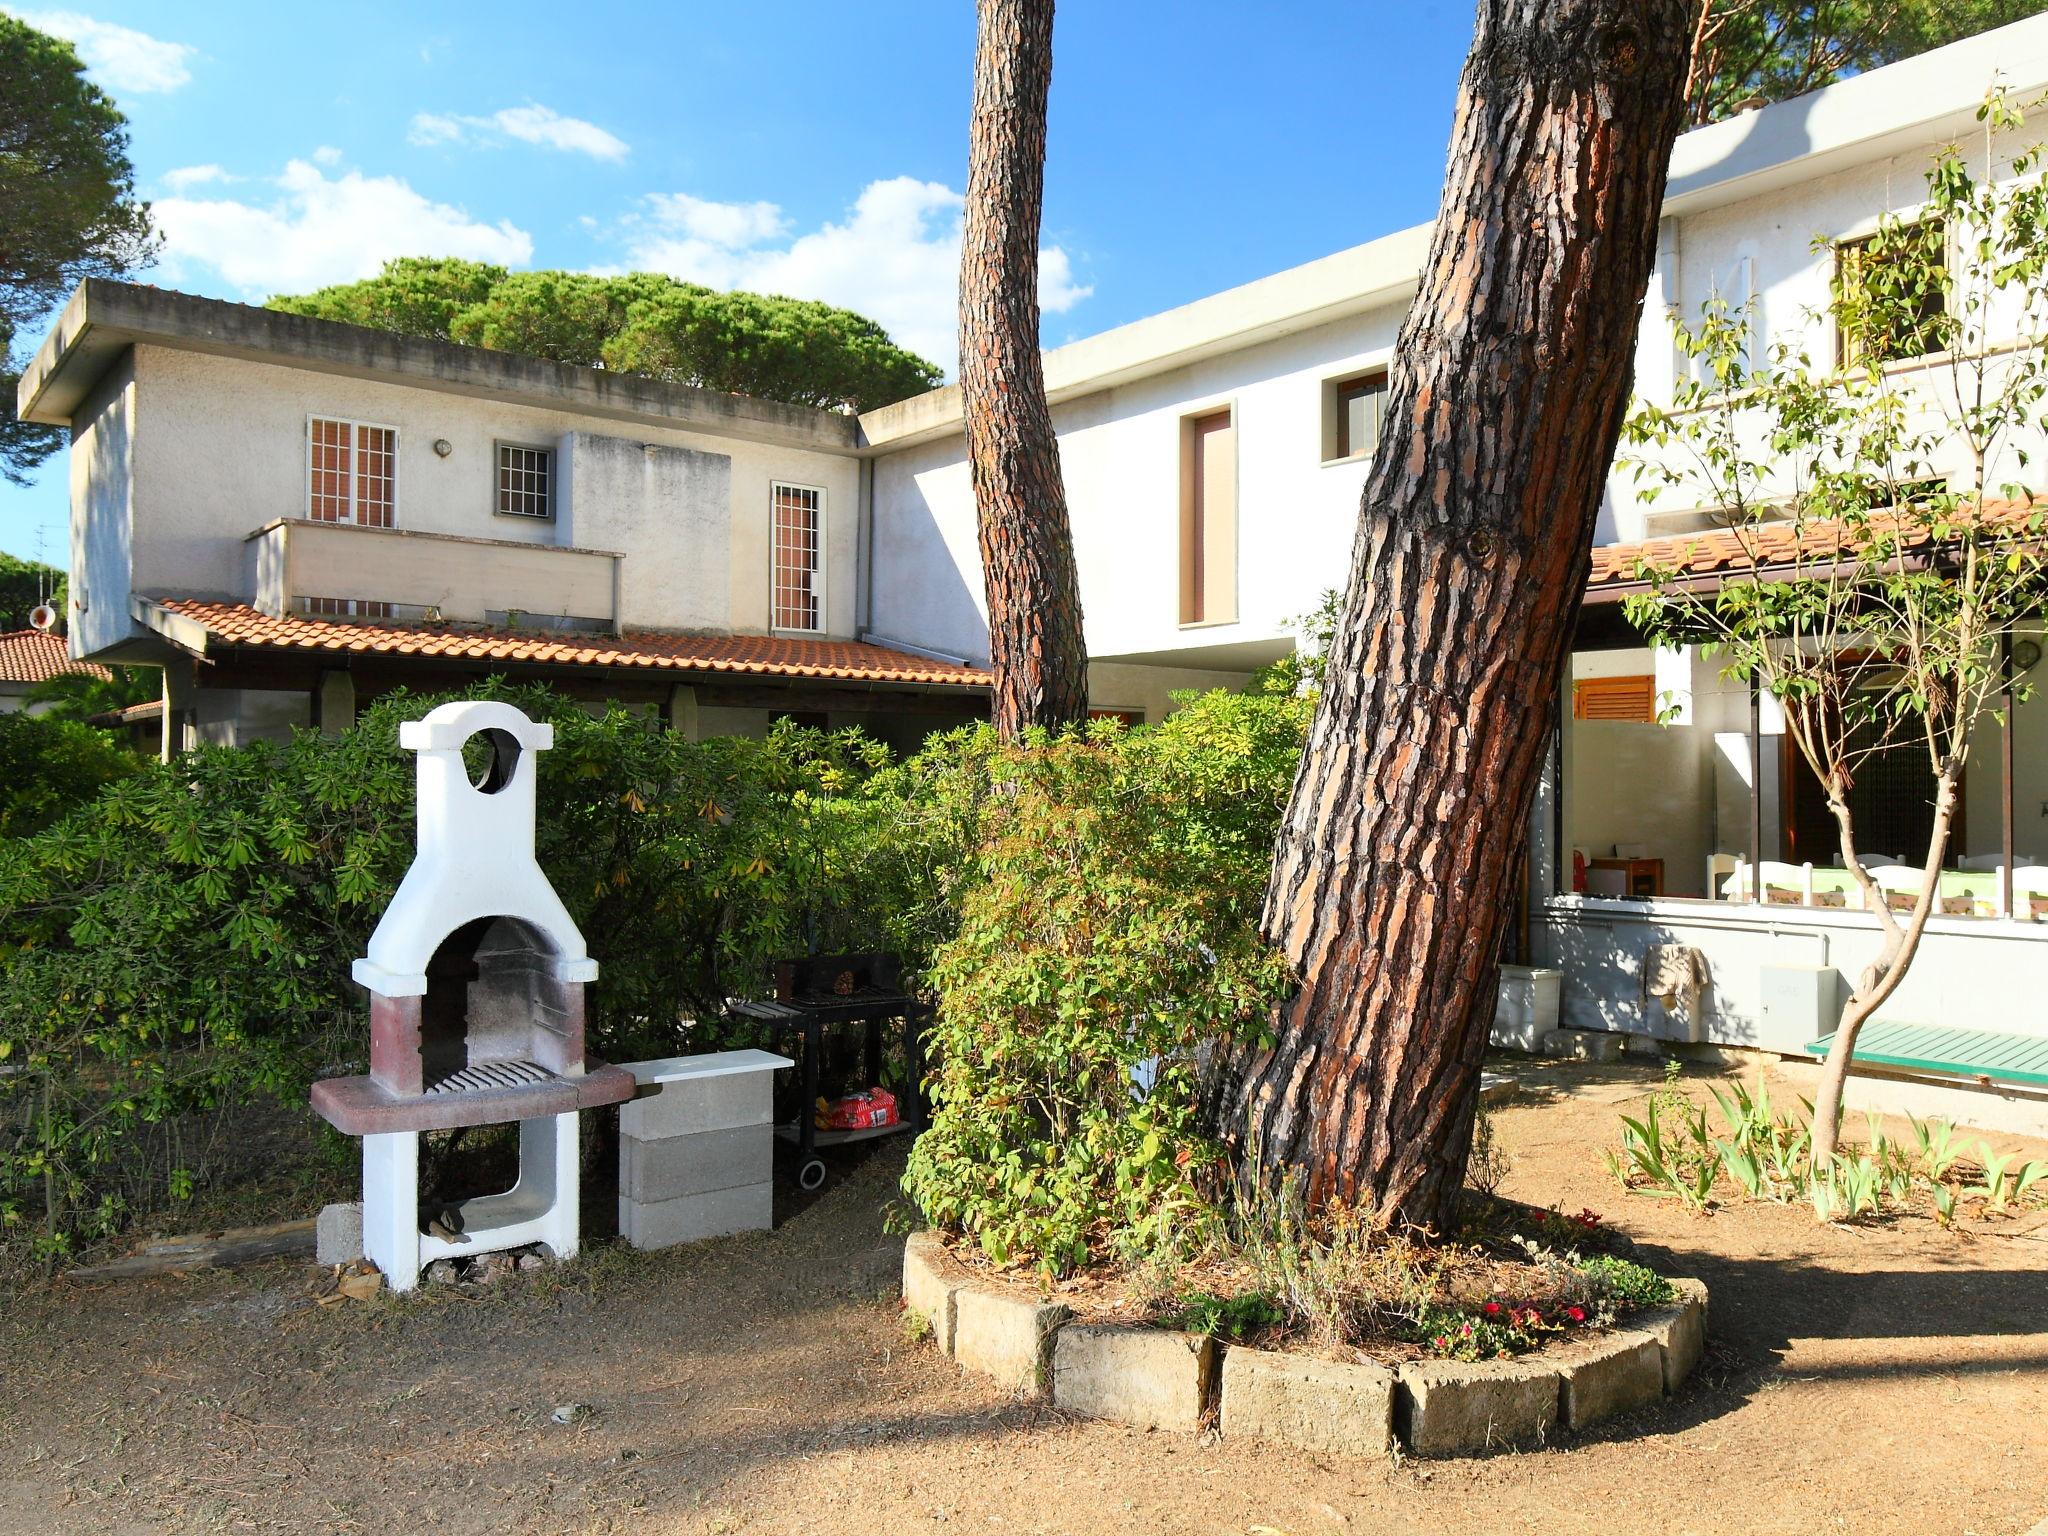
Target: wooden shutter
(1208,549)
(1616,698)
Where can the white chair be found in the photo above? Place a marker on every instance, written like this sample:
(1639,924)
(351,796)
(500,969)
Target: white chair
(2029,885)
(1894,879)
(1719,866)
(1794,879)
(1979,863)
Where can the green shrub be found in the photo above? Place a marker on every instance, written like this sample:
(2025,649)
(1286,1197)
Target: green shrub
(1106,886)
(180,947)
(48,768)
(1625,1285)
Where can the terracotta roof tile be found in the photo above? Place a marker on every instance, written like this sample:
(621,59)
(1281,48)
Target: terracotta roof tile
(236,624)
(1712,553)
(35,655)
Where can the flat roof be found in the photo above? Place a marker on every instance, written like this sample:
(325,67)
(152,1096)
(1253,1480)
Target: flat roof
(1886,111)
(104,318)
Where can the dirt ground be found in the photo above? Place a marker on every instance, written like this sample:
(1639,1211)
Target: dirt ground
(1874,1379)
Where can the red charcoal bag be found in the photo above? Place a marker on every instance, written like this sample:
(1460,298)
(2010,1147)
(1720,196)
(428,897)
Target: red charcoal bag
(859,1111)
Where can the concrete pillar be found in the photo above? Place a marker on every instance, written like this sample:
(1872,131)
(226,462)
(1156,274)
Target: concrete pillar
(334,702)
(181,701)
(682,711)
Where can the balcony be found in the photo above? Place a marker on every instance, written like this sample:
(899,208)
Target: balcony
(295,565)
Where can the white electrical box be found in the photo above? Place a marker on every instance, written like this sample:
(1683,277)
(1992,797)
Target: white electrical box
(1798,1004)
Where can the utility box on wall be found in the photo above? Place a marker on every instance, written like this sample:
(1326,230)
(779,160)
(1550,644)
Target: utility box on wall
(1797,1004)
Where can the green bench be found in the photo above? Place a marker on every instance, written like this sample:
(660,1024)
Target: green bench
(1979,1053)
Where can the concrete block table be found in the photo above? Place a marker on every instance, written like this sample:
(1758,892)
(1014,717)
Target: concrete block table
(697,1153)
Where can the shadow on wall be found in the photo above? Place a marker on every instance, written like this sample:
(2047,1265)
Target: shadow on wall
(919,591)
(1603,965)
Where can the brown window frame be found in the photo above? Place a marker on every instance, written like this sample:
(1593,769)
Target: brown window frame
(1208,535)
(1374,381)
(1848,351)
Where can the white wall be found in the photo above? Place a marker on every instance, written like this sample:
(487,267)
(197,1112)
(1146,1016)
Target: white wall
(220,448)
(102,502)
(1120,454)
(1763,247)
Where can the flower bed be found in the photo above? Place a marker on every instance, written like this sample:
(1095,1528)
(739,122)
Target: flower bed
(1487,1379)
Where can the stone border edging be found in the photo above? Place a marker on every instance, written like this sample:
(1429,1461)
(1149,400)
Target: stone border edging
(1156,1378)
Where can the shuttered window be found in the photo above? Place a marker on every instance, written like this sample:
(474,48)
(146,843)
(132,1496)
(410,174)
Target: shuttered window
(1616,698)
(1208,520)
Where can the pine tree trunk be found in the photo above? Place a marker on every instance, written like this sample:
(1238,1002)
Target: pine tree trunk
(1036,648)
(1395,869)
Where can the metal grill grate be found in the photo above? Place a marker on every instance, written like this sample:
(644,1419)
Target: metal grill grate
(482,1077)
(797,531)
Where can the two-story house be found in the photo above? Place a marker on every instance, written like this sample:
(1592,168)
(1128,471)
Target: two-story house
(291,516)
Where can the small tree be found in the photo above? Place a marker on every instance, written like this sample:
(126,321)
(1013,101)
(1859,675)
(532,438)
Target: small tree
(1880,577)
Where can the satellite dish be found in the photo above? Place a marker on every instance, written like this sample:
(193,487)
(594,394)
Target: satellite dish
(42,616)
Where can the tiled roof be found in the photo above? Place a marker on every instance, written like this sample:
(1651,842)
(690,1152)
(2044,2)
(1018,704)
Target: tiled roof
(1720,552)
(35,655)
(238,625)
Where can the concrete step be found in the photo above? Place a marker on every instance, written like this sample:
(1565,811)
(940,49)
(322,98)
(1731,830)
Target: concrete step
(1584,1045)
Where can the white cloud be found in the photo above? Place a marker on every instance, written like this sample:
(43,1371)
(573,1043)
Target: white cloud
(327,154)
(322,230)
(895,258)
(121,58)
(186,177)
(529,124)
(726,224)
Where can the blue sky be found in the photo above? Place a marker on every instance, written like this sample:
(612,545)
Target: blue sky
(815,149)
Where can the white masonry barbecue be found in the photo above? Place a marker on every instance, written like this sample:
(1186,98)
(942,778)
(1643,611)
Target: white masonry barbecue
(476,977)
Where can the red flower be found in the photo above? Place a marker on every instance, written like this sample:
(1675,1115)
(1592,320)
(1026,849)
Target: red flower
(1576,1314)
(1491,1308)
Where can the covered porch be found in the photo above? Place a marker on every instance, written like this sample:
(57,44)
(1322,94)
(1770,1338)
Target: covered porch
(1679,833)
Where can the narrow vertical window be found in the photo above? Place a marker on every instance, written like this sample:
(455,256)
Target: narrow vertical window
(351,472)
(331,471)
(797,595)
(376,476)
(1208,520)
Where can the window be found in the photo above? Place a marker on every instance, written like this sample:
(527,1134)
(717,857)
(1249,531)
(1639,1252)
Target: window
(351,472)
(526,481)
(1616,698)
(1208,520)
(344,608)
(1891,294)
(797,595)
(1357,410)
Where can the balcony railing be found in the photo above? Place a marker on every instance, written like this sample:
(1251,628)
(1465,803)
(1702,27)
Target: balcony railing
(295,565)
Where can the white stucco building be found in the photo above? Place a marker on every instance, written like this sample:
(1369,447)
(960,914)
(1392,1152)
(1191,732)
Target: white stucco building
(728,560)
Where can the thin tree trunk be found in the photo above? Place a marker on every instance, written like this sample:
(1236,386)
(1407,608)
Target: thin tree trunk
(1879,979)
(1036,648)
(1394,872)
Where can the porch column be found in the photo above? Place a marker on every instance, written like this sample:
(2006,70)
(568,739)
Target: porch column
(334,702)
(180,698)
(2008,840)
(1756,795)
(682,711)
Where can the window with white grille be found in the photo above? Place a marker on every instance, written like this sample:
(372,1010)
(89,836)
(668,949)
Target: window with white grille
(526,481)
(351,472)
(798,594)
